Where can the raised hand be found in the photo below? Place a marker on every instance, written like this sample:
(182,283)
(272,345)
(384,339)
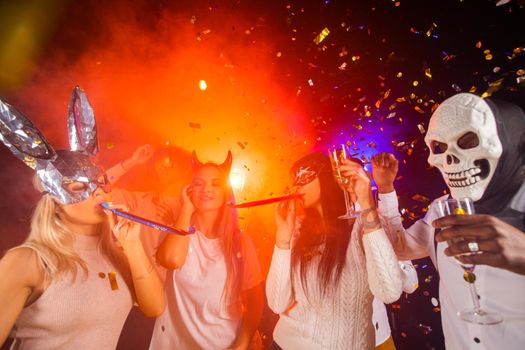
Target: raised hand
(142,154)
(384,171)
(359,184)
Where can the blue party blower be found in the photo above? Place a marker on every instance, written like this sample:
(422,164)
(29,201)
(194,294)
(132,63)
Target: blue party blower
(147,222)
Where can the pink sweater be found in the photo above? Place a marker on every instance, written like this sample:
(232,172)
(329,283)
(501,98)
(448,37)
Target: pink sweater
(77,314)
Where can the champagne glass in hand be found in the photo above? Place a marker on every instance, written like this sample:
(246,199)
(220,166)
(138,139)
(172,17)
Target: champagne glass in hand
(464,206)
(336,153)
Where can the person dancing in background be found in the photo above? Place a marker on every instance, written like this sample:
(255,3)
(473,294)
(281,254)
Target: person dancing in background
(170,165)
(170,171)
(325,271)
(70,285)
(214,291)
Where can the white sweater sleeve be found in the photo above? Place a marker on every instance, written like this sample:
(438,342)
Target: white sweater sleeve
(278,282)
(385,277)
(409,244)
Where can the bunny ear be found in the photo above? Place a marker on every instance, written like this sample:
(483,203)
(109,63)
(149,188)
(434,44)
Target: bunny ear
(22,138)
(227,164)
(195,162)
(81,124)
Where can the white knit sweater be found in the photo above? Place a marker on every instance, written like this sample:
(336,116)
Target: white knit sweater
(344,319)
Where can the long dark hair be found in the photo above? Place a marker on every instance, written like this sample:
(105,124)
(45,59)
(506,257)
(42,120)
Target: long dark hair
(325,235)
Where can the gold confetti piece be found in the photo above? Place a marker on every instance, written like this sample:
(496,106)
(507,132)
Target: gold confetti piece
(478,45)
(495,86)
(415,83)
(342,66)
(399,74)
(419,110)
(321,36)
(310,82)
(428,74)
(473,89)
(193,19)
(421,128)
(101,275)
(431,29)
(113,280)
(203,85)
(469,277)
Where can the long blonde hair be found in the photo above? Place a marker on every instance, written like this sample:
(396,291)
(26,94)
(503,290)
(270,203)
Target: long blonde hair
(54,244)
(227,228)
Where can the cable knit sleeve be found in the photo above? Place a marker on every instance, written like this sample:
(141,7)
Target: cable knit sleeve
(278,283)
(384,274)
(412,243)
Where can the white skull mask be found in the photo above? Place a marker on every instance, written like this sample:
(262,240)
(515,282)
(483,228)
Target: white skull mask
(464,144)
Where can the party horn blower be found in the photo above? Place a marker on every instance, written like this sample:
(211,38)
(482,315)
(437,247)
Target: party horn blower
(147,222)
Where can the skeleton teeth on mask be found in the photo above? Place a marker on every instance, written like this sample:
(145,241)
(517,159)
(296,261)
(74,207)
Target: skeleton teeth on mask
(464,144)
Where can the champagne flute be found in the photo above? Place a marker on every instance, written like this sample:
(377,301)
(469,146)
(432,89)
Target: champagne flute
(337,153)
(464,206)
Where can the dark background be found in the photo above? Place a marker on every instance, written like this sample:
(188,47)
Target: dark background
(356,86)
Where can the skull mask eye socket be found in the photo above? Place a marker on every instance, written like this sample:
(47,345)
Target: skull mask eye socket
(438,147)
(468,140)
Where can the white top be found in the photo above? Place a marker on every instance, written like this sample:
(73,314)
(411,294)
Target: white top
(342,320)
(194,317)
(85,313)
(379,314)
(500,290)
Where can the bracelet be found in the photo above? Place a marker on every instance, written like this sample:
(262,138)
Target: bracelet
(370,222)
(146,274)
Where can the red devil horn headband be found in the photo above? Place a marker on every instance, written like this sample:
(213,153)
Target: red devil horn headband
(225,166)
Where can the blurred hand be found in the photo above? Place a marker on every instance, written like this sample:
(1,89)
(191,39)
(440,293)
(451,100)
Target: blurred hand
(142,154)
(358,183)
(384,171)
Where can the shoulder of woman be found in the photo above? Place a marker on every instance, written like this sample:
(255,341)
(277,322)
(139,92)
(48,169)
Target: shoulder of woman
(23,266)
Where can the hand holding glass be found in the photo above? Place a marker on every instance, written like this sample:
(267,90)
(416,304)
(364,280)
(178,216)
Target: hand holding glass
(464,206)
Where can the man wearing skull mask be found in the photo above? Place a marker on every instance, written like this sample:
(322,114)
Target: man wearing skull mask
(478,145)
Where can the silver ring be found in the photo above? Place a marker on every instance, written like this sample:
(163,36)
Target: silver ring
(473,247)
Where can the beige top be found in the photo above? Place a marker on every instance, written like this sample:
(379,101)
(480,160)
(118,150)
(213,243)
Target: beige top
(85,313)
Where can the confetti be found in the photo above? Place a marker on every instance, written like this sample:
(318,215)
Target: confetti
(321,36)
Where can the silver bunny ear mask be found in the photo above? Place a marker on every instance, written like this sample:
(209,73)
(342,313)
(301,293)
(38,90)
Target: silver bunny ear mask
(58,169)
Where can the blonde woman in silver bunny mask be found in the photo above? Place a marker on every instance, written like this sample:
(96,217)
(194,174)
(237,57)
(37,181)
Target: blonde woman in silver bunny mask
(72,283)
